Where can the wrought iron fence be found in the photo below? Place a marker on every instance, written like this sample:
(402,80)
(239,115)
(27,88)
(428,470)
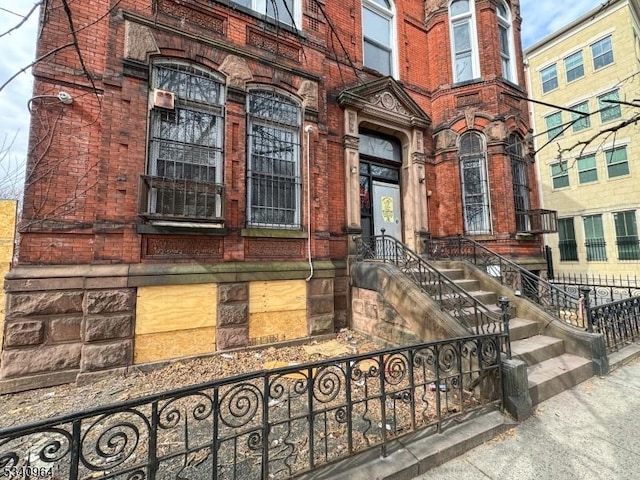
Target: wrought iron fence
(603,289)
(566,306)
(268,424)
(619,321)
(452,298)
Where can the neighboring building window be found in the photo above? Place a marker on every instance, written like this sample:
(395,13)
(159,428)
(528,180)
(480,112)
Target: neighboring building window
(554,125)
(549,77)
(609,111)
(520,183)
(574,66)
(567,244)
(185,149)
(463,40)
(475,191)
(378,31)
(587,171)
(617,163)
(505,35)
(285,11)
(602,52)
(627,235)
(560,175)
(594,237)
(273,170)
(580,122)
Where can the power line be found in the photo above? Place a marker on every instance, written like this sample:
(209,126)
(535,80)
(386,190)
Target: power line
(13,13)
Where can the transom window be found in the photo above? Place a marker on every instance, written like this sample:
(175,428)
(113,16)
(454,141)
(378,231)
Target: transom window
(505,36)
(378,32)
(185,148)
(567,240)
(560,175)
(574,66)
(608,110)
(602,52)
(475,191)
(549,77)
(580,122)
(627,235)
(273,170)
(587,170)
(617,162)
(285,11)
(463,40)
(554,125)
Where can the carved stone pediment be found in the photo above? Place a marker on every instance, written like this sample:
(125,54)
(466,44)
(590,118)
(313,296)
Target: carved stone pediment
(385,98)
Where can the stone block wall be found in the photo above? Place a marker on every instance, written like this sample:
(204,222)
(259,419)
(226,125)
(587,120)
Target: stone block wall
(51,336)
(233,316)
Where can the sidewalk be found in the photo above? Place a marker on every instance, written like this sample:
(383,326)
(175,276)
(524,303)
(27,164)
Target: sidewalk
(589,432)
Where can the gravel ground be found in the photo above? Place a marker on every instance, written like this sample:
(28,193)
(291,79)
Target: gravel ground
(50,402)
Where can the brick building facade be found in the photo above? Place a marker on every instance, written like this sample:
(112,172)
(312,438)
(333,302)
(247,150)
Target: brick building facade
(199,168)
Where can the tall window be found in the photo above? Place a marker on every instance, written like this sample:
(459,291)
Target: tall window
(567,244)
(627,235)
(602,52)
(554,125)
(378,31)
(463,40)
(617,162)
(505,35)
(580,122)
(549,77)
(520,184)
(587,171)
(475,191)
(594,237)
(609,110)
(559,175)
(574,66)
(273,171)
(285,11)
(185,148)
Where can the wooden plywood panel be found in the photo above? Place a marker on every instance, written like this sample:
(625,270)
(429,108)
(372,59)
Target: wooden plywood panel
(277,296)
(155,347)
(286,325)
(175,307)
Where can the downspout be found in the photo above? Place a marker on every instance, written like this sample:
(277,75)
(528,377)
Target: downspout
(308,129)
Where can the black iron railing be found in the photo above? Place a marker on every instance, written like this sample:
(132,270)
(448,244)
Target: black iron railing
(537,221)
(603,289)
(269,424)
(618,321)
(564,305)
(452,298)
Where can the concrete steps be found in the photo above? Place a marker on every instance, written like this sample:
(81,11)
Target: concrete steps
(550,369)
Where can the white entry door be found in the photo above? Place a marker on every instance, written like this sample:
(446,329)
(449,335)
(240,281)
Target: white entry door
(386,210)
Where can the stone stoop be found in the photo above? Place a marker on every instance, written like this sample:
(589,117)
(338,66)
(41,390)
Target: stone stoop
(550,369)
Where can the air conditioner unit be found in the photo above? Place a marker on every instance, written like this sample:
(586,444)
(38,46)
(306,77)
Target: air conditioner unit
(163,99)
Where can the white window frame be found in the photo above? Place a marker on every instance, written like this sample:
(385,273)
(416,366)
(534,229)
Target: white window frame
(389,15)
(509,58)
(613,58)
(468,18)
(542,80)
(573,68)
(260,6)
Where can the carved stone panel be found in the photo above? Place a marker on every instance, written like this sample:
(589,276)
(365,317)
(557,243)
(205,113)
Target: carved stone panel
(182,246)
(193,12)
(272,44)
(237,71)
(274,248)
(139,42)
(388,102)
(309,93)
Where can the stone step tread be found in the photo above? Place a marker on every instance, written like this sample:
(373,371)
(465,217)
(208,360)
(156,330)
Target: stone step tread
(554,367)
(473,293)
(521,328)
(527,345)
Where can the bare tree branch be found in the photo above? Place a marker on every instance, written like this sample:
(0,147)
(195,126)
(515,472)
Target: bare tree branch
(24,19)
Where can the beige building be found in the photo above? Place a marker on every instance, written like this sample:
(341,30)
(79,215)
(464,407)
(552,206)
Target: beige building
(585,80)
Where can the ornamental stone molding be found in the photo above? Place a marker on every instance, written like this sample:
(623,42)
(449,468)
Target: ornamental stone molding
(237,71)
(139,42)
(496,132)
(445,139)
(308,91)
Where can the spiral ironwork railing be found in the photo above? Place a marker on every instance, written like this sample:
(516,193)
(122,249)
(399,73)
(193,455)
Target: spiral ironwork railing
(603,289)
(273,424)
(451,298)
(618,321)
(566,306)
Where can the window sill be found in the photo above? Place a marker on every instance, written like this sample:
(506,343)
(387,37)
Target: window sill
(272,233)
(179,228)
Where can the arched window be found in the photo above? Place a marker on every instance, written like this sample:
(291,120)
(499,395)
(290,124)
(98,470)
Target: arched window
(520,183)
(475,191)
(464,43)
(186,139)
(273,160)
(378,36)
(507,49)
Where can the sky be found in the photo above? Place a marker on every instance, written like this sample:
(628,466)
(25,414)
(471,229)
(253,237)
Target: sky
(17,50)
